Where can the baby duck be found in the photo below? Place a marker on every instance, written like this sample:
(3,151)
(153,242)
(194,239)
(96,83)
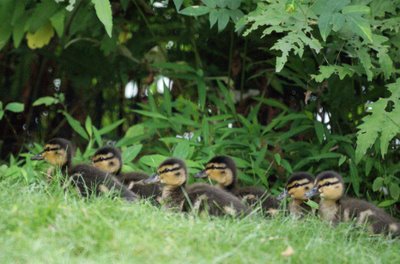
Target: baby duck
(296,188)
(89,180)
(222,169)
(335,207)
(172,174)
(109,159)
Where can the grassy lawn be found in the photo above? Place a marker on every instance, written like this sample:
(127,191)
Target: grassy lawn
(40,223)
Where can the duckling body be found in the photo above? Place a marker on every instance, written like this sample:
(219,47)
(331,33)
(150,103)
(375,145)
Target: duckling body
(222,169)
(89,180)
(172,174)
(109,160)
(335,207)
(296,188)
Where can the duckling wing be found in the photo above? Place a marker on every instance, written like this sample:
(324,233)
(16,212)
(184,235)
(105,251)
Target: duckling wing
(132,181)
(91,180)
(363,212)
(214,200)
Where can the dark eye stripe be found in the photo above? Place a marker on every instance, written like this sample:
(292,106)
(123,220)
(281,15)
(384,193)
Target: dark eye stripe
(51,149)
(328,184)
(216,168)
(169,170)
(297,185)
(102,159)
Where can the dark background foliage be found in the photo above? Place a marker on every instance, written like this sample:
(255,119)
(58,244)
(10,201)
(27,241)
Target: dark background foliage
(231,92)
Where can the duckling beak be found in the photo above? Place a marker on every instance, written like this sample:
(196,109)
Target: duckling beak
(201,174)
(155,178)
(38,156)
(312,192)
(282,195)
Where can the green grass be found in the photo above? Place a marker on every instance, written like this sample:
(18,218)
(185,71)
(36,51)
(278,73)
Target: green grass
(41,224)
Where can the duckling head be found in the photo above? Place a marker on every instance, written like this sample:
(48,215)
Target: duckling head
(57,151)
(329,185)
(108,159)
(221,169)
(172,173)
(297,186)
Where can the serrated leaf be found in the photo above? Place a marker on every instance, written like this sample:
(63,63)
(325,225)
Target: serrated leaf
(365,60)
(104,13)
(386,64)
(380,124)
(15,107)
(356,9)
(360,26)
(195,11)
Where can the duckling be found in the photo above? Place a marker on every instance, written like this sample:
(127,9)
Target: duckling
(109,159)
(89,180)
(335,207)
(296,187)
(172,174)
(222,169)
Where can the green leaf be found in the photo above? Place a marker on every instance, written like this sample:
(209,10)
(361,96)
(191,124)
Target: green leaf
(76,125)
(210,3)
(223,19)
(342,160)
(41,14)
(46,100)
(150,114)
(277,158)
(111,127)
(387,203)
(131,153)
(153,160)
(386,64)
(360,26)
(195,11)
(354,178)
(1,114)
(178,4)
(97,136)
(394,190)
(234,4)
(380,124)
(15,107)
(365,60)
(57,21)
(378,183)
(312,204)
(182,150)
(104,13)
(356,9)
(213,17)
(88,126)
(319,131)
(19,30)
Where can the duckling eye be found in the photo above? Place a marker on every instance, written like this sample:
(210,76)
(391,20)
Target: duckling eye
(306,187)
(177,174)
(111,163)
